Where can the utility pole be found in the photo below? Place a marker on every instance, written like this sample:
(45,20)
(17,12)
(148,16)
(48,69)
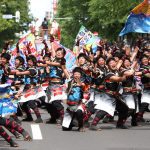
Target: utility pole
(17,16)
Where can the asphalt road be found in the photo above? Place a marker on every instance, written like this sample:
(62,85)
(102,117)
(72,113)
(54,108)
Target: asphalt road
(110,138)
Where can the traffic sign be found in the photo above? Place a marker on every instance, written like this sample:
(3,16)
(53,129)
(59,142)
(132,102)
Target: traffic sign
(8,16)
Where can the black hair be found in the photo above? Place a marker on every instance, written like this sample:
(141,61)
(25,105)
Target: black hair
(127,58)
(61,49)
(146,50)
(46,55)
(144,56)
(21,59)
(6,56)
(77,69)
(32,58)
(97,58)
(110,59)
(84,56)
(118,54)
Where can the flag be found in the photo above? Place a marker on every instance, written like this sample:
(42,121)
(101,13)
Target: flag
(87,40)
(138,20)
(81,33)
(70,59)
(7,104)
(29,37)
(92,44)
(85,35)
(24,41)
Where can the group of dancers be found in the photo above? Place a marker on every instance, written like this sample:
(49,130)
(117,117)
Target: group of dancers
(114,80)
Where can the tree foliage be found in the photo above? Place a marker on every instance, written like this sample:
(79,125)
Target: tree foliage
(105,16)
(110,15)
(8,27)
(77,10)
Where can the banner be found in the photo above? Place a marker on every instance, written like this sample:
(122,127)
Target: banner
(84,35)
(27,39)
(32,94)
(7,104)
(139,19)
(70,59)
(91,44)
(87,40)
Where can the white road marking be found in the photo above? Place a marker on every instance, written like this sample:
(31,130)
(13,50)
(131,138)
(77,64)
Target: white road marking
(36,132)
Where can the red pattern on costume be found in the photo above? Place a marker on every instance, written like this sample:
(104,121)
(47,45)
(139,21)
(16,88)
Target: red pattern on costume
(29,93)
(57,91)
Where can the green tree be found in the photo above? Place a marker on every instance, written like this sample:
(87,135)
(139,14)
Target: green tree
(78,11)
(110,15)
(105,16)
(8,28)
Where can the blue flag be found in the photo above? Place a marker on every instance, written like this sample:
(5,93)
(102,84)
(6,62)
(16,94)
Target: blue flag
(139,20)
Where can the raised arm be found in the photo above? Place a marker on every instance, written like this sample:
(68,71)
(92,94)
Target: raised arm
(134,54)
(53,53)
(22,73)
(119,64)
(65,71)
(53,63)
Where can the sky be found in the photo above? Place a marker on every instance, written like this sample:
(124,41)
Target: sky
(39,7)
